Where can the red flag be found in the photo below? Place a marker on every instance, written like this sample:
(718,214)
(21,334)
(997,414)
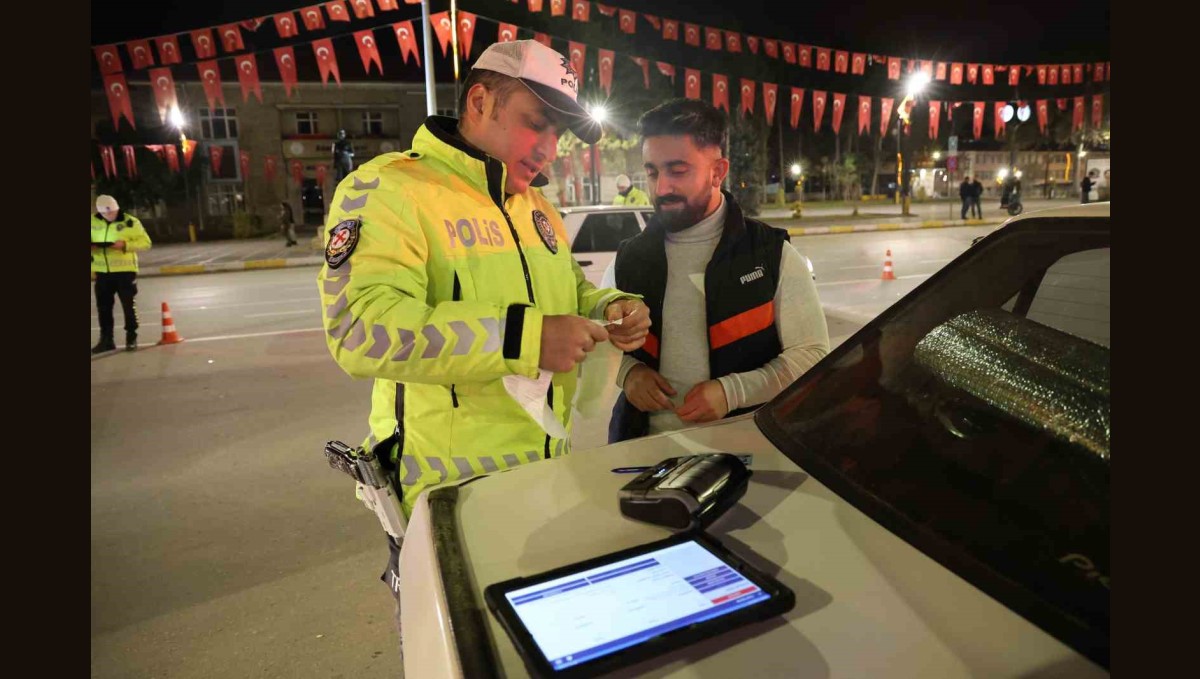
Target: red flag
(956,74)
(313,19)
(1077,73)
(466,31)
(251,24)
(321,170)
(164,91)
(286,61)
(822,58)
(1062,104)
(168,50)
(771,48)
(216,153)
(941,70)
(231,37)
(839,107)
(1041,73)
(841,61)
(535,5)
(864,114)
(858,63)
(977,121)
(752,43)
(577,53)
(691,34)
(297,169)
(337,11)
(542,38)
(326,60)
(733,42)
(441,26)
(670,29)
(285,23)
(210,77)
(581,10)
(691,81)
(130,161)
(362,8)
(797,104)
(1014,75)
(989,77)
(244,158)
(408,40)
(789,52)
(1097,110)
(109,160)
(747,89)
(269,168)
(1043,114)
(1077,115)
(606,71)
(606,10)
(654,21)
(818,108)
(172,157)
(997,108)
(927,68)
(1098,72)
(712,38)
(720,92)
(885,114)
(803,55)
(389,5)
(666,69)
(645,64)
(110,60)
(558,7)
(118,99)
(893,67)
(368,51)
(139,53)
(506,33)
(202,40)
(1065,79)
(935,114)
(189,150)
(247,70)
(972,73)
(770,92)
(1052,75)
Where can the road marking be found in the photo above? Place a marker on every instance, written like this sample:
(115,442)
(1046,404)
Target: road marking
(283,313)
(218,338)
(872,280)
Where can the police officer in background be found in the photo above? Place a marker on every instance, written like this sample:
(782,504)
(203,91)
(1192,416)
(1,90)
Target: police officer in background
(343,156)
(117,237)
(628,194)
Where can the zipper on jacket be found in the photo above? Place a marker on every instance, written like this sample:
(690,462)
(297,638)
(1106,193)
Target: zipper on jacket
(521,252)
(455,296)
(550,399)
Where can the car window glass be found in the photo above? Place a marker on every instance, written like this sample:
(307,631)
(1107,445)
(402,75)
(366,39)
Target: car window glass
(603,232)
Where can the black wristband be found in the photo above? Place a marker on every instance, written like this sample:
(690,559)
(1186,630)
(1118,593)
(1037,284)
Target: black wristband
(514,327)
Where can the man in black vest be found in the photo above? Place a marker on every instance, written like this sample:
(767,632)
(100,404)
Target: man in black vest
(734,311)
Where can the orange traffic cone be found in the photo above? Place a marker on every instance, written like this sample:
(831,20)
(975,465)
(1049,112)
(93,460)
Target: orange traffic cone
(887,268)
(169,335)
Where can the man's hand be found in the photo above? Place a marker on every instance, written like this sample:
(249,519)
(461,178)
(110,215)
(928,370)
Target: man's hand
(648,390)
(119,245)
(566,339)
(635,323)
(704,403)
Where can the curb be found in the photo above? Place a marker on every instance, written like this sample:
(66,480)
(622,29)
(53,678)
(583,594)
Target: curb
(852,228)
(248,265)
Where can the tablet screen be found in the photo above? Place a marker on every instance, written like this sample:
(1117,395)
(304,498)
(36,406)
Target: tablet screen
(580,617)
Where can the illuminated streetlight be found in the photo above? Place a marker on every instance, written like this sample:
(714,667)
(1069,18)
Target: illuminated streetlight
(937,155)
(599,114)
(917,82)
(795,169)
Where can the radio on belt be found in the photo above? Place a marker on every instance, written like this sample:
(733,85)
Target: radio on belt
(686,492)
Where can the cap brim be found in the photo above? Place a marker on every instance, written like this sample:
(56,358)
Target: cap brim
(579,121)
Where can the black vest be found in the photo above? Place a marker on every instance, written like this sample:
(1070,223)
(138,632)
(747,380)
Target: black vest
(739,297)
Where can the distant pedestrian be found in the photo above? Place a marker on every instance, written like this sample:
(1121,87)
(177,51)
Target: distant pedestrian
(287,223)
(977,198)
(964,192)
(1085,188)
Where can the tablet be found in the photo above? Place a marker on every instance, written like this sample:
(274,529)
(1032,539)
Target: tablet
(605,613)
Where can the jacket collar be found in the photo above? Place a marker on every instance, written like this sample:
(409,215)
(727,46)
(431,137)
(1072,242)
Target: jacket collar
(119,218)
(439,138)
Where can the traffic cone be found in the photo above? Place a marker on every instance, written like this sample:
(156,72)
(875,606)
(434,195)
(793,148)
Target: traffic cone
(887,269)
(169,335)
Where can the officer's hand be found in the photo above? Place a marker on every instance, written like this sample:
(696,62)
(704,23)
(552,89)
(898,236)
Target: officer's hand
(705,402)
(635,323)
(119,245)
(566,339)
(647,390)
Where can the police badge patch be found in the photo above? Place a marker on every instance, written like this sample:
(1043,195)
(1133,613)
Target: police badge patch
(342,239)
(546,231)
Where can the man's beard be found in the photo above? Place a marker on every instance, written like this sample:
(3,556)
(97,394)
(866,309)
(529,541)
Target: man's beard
(678,219)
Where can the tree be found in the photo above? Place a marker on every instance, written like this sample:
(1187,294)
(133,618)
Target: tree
(747,161)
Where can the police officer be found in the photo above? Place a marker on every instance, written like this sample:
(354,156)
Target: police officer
(628,194)
(343,156)
(449,280)
(117,237)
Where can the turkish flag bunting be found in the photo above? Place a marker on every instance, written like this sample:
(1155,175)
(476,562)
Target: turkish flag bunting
(997,108)
(543,38)
(172,157)
(721,92)
(606,71)
(269,168)
(202,40)
(691,82)
(535,5)
(168,50)
(935,114)
(321,169)
(362,8)
(972,73)
(839,108)
(577,53)
(770,93)
(216,153)
(864,114)
(1041,74)
(1062,104)
(977,120)
(747,89)
(326,60)
(927,68)
(506,33)
(164,91)
(130,161)
(581,10)
(666,69)
(368,51)
(441,26)
(558,7)
(804,55)
(733,42)
(941,70)
(109,160)
(885,113)
(1077,114)
(989,74)
(691,34)
(1098,72)
(858,63)
(189,150)
(231,37)
(797,99)
(822,59)
(337,11)
(670,29)
(244,160)
(140,54)
(841,61)
(752,43)
(286,61)
(789,52)
(252,24)
(408,39)
(654,21)
(389,5)
(1014,75)
(818,108)
(645,64)
(1052,75)
(110,61)
(771,48)
(893,67)
(297,169)
(210,78)
(247,71)
(1077,73)
(118,99)
(466,31)
(285,23)
(1065,79)
(313,19)
(956,74)
(1097,110)
(712,38)
(606,10)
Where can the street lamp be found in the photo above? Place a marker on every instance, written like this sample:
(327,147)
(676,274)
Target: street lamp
(598,114)
(915,85)
(177,121)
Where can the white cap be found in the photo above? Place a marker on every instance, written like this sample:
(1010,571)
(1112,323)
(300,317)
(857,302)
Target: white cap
(548,75)
(623,181)
(106,202)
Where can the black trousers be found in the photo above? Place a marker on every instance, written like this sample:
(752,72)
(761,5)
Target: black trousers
(966,205)
(123,284)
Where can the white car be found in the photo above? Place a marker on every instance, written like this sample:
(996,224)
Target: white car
(935,492)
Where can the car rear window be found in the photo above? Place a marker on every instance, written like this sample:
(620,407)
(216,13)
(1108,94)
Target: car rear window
(603,232)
